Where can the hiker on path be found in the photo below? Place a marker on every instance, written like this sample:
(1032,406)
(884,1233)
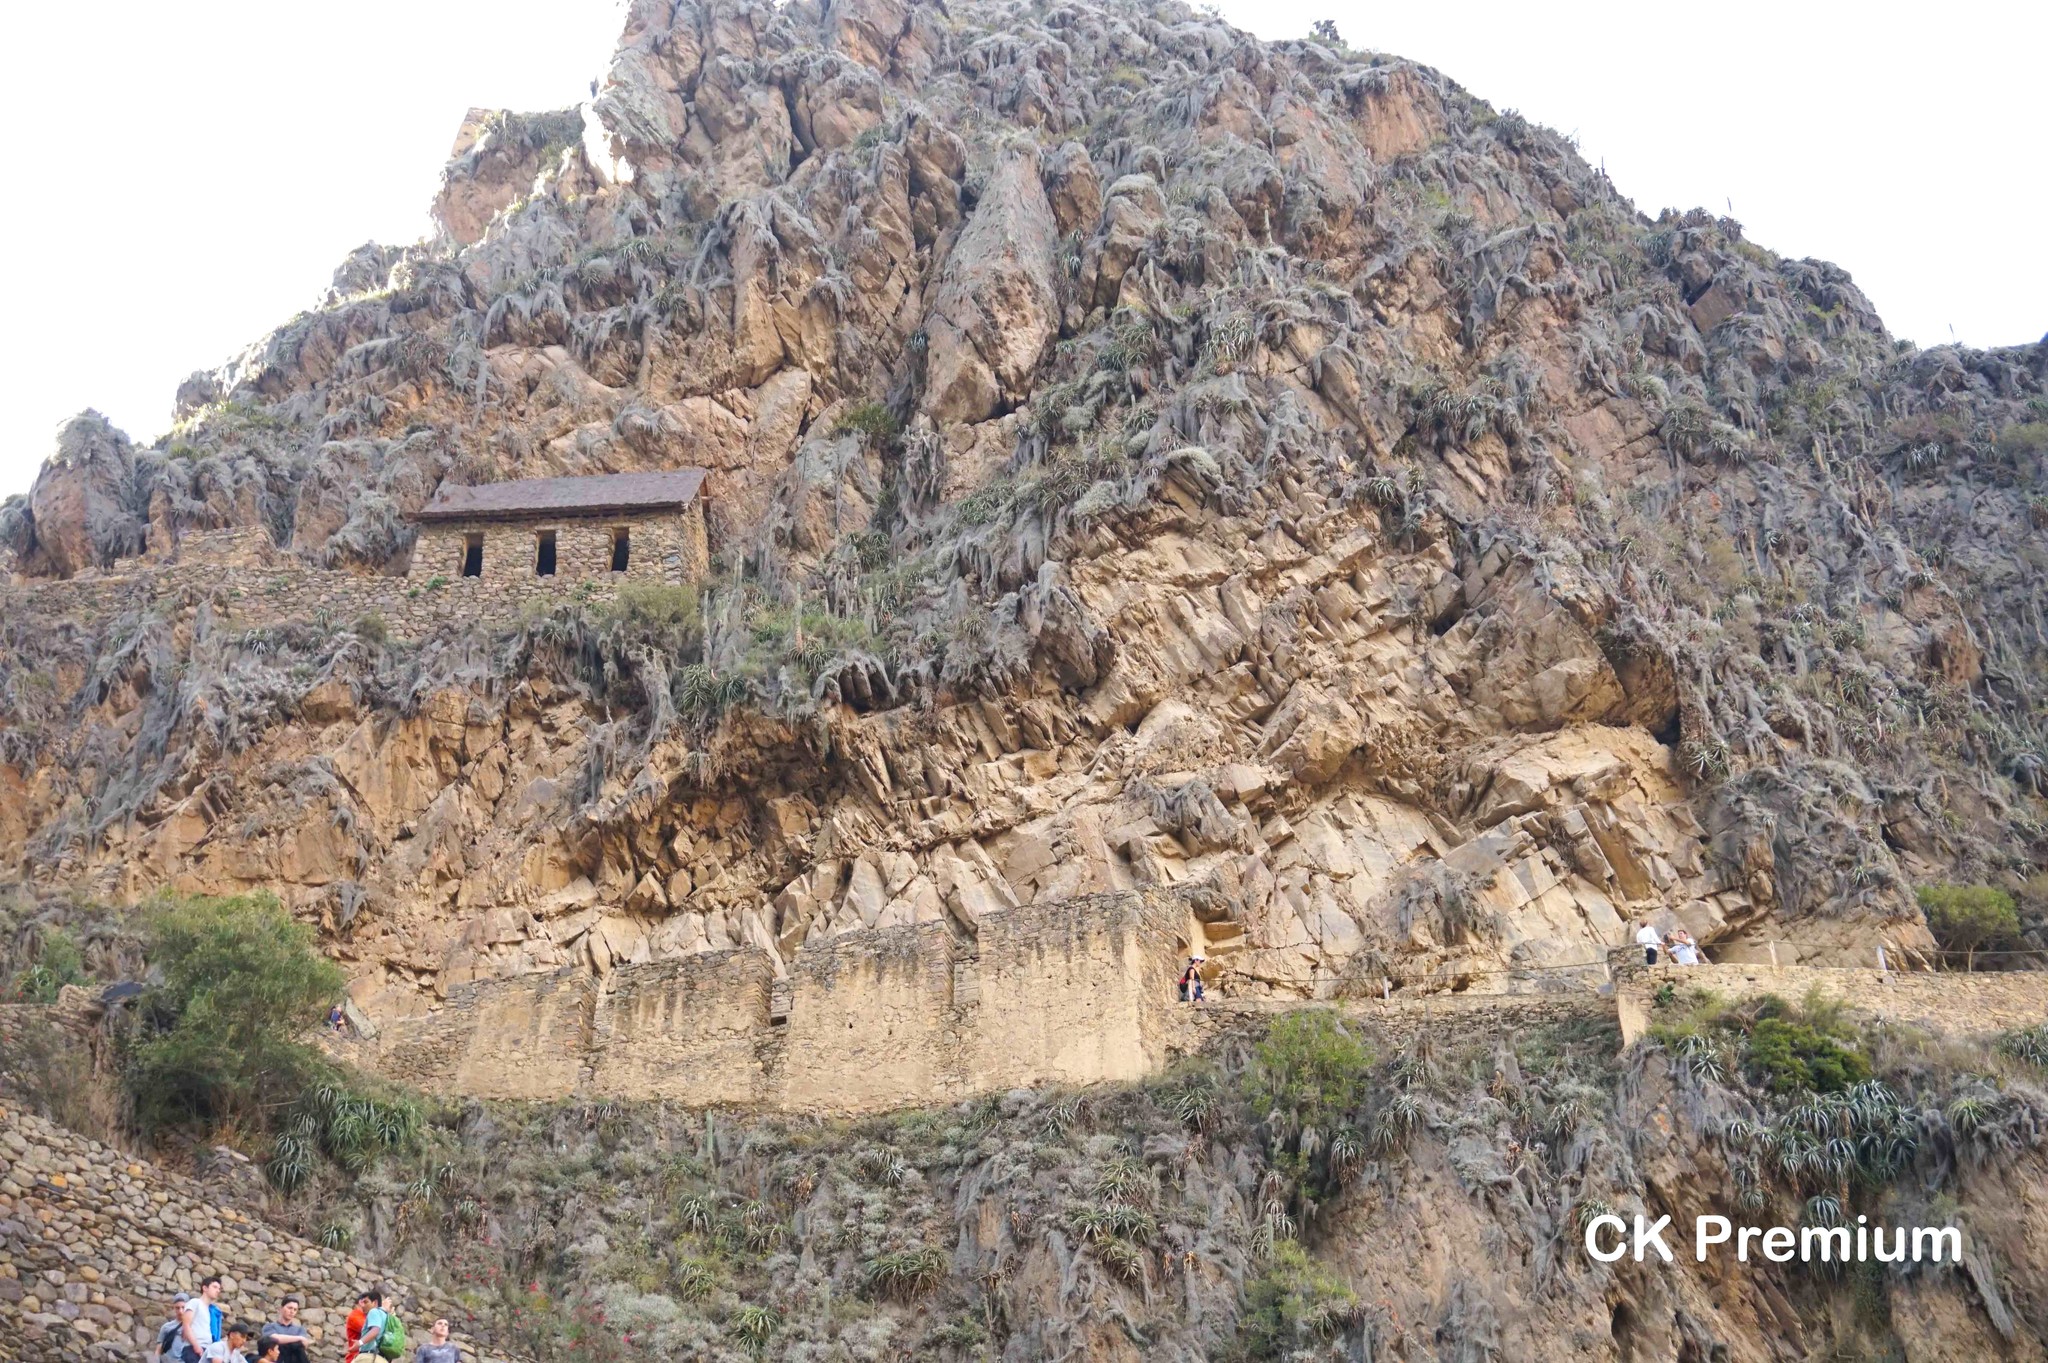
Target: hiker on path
(438,1348)
(352,1332)
(169,1341)
(373,1324)
(1684,951)
(229,1349)
(1649,939)
(291,1337)
(1191,980)
(198,1322)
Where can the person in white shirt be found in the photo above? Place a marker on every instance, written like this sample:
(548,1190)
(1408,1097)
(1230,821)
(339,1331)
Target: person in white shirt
(1683,950)
(228,1350)
(1649,939)
(195,1322)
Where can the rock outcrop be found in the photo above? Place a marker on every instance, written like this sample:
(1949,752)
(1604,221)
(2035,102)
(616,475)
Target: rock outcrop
(1140,457)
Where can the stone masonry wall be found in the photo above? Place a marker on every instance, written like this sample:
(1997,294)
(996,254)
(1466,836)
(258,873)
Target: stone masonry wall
(1949,1002)
(250,587)
(660,548)
(95,1243)
(691,1029)
(872,1022)
(1073,992)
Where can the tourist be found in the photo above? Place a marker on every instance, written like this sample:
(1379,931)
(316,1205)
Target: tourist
(438,1348)
(336,1018)
(1191,980)
(290,1336)
(1649,939)
(267,1349)
(229,1348)
(373,1323)
(199,1322)
(168,1345)
(1684,951)
(352,1332)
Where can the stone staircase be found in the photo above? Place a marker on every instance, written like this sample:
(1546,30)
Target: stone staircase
(94,1244)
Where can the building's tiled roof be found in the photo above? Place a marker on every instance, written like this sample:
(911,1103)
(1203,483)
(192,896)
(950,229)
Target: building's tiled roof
(595,496)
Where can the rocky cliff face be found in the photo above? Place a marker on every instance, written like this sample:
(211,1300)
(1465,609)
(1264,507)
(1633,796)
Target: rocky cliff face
(1140,455)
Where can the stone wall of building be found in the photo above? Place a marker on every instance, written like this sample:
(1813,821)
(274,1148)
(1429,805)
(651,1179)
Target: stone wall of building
(95,1243)
(1949,1002)
(1073,992)
(664,547)
(251,586)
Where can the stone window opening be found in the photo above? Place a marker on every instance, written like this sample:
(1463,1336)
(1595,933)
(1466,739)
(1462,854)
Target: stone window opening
(473,554)
(544,554)
(622,548)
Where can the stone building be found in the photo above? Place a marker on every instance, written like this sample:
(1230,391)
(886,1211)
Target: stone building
(635,526)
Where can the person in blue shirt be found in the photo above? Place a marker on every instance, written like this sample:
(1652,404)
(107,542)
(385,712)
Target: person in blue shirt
(373,1325)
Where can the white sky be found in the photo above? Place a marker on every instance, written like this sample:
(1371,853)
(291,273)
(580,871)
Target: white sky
(185,176)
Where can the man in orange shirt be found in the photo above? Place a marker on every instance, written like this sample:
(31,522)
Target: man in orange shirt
(353,1331)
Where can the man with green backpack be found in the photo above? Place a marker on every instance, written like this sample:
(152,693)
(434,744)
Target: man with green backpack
(383,1331)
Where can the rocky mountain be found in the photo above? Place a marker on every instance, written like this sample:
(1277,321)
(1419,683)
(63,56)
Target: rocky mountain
(1139,457)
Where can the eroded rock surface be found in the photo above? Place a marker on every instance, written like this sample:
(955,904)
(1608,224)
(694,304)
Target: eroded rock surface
(1139,456)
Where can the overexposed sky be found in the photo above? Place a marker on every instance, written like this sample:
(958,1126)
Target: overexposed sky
(184,177)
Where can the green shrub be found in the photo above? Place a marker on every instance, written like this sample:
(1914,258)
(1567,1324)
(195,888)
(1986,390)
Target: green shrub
(219,1039)
(962,1333)
(1295,1301)
(371,629)
(58,962)
(1810,1047)
(1969,918)
(1309,1066)
(657,606)
(2025,438)
(1787,1056)
(871,421)
(48,1068)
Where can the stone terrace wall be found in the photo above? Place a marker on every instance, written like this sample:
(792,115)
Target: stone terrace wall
(94,1244)
(1073,992)
(1940,1001)
(250,589)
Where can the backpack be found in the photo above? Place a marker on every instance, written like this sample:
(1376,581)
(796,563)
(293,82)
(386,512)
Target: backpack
(167,1339)
(391,1344)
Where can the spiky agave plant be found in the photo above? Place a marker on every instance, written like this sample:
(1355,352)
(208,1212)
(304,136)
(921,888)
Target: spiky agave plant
(2028,1045)
(753,1326)
(905,1274)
